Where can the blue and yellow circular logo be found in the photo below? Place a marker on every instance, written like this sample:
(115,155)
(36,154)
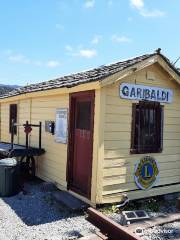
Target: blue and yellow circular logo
(146,172)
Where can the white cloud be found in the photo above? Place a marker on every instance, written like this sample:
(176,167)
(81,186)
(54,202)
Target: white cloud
(68,48)
(120,39)
(87,53)
(96,39)
(137,3)
(53,64)
(7,51)
(18,58)
(153,13)
(110,3)
(143,11)
(79,51)
(89,3)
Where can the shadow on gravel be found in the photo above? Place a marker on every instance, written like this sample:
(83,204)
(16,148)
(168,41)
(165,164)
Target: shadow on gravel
(34,206)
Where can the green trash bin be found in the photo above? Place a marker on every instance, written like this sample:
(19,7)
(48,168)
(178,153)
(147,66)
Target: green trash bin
(9,177)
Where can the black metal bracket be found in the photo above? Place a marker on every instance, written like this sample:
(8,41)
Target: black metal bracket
(26,126)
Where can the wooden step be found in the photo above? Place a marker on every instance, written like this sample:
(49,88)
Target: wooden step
(69,200)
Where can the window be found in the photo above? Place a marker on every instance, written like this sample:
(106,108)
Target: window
(147,127)
(13,117)
(83,120)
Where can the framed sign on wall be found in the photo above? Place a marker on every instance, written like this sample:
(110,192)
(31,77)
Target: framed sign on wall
(146,173)
(61,125)
(142,92)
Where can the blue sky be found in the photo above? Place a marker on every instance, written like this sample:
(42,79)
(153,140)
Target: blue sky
(45,39)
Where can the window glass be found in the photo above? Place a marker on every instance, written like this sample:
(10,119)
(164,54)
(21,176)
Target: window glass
(12,117)
(83,118)
(147,128)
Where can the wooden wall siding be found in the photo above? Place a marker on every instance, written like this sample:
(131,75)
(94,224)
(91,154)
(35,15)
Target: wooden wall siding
(5,136)
(52,165)
(98,147)
(4,122)
(23,116)
(118,164)
(137,194)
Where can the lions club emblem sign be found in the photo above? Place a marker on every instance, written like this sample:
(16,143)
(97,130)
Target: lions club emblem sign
(146,172)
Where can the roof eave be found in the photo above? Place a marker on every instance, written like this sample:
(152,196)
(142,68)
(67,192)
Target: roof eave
(168,67)
(52,92)
(157,58)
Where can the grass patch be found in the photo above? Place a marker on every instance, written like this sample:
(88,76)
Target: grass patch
(153,204)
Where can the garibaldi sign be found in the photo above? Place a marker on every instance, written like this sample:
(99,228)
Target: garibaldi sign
(141,92)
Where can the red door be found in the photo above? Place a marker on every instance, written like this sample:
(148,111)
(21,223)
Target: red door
(81,142)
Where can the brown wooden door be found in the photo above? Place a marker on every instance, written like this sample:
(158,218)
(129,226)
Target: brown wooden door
(81,142)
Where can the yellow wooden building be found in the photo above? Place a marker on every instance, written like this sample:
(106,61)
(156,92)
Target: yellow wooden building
(107,121)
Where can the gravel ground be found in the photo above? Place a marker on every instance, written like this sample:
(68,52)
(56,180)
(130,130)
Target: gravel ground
(164,232)
(35,215)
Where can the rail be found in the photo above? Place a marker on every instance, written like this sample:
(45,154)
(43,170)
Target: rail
(108,227)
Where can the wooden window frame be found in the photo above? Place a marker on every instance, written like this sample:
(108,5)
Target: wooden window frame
(13,115)
(159,111)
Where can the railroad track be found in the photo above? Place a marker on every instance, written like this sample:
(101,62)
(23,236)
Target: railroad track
(109,229)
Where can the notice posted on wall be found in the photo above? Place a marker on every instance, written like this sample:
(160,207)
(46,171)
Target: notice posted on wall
(61,125)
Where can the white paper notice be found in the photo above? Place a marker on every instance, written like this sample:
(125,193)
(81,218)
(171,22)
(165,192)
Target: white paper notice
(61,125)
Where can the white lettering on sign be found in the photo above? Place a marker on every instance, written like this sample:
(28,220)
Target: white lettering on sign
(141,92)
